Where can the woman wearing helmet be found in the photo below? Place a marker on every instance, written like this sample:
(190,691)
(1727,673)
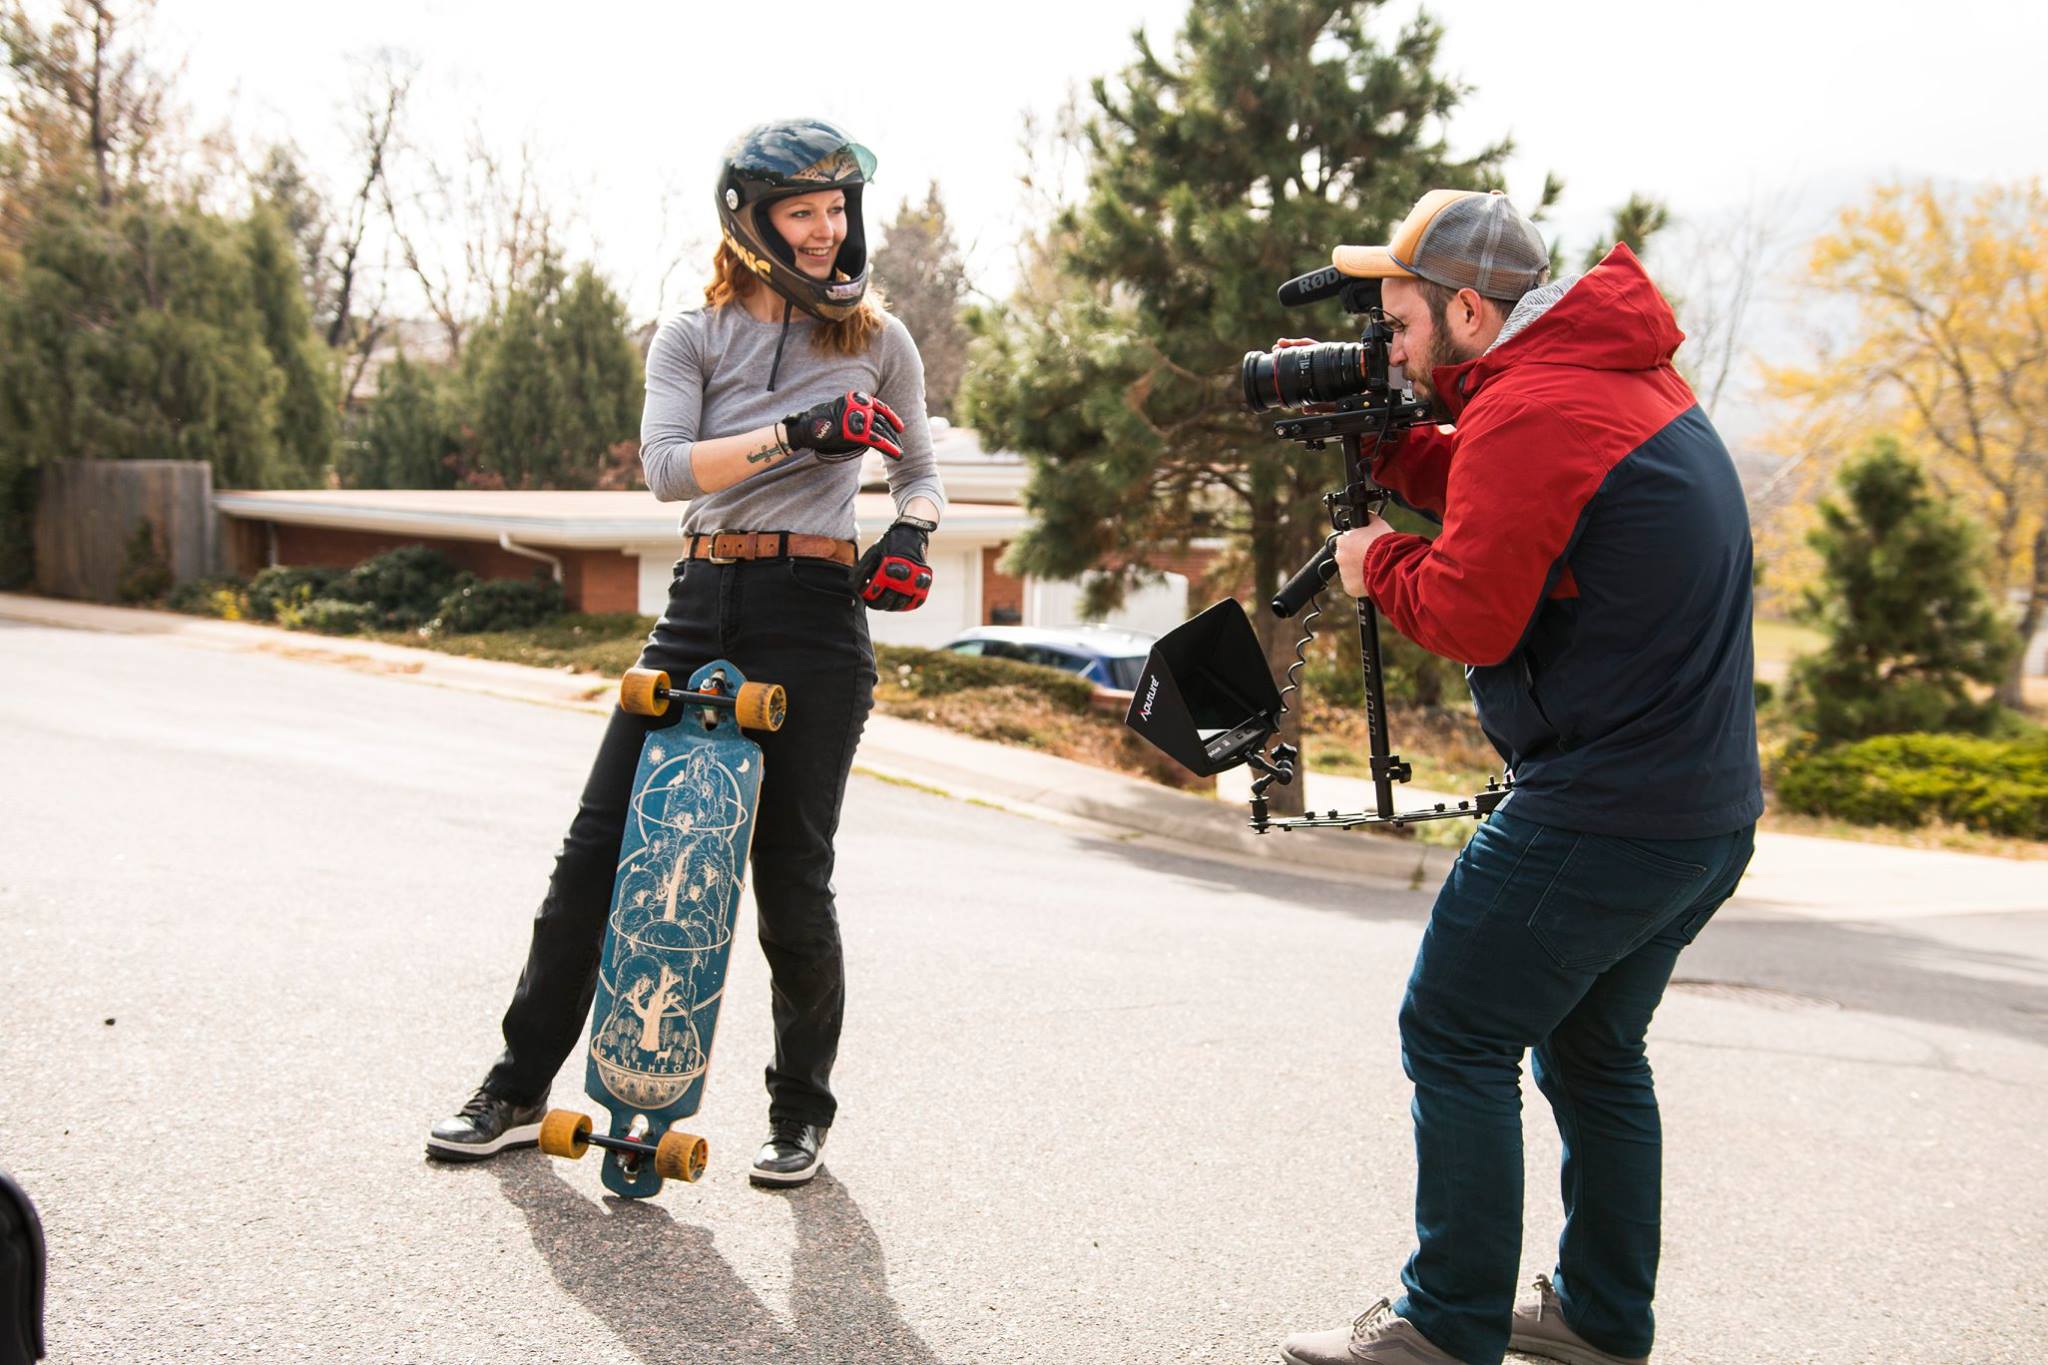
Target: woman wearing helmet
(758,411)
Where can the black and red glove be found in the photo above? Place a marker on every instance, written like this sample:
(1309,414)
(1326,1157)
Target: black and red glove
(893,575)
(845,427)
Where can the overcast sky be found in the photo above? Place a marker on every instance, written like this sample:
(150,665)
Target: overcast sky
(1707,106)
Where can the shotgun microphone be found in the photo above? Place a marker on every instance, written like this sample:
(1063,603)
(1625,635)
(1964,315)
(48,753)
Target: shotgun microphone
(1313,287)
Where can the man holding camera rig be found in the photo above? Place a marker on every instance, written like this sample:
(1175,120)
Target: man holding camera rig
(1593,574)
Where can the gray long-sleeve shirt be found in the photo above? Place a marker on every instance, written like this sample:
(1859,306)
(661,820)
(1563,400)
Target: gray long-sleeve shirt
(707,377)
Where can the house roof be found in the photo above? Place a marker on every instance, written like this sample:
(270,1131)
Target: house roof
(571,520)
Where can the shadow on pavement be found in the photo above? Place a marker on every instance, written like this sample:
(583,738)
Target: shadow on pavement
(1922,974)
(663,1288)
(1377,901)
(1880,970)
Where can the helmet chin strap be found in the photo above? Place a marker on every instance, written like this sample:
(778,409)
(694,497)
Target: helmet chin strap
(780,341)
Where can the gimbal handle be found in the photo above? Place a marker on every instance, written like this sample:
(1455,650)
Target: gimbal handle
(1298,591)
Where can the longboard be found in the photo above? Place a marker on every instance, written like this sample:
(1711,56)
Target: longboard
(668,936)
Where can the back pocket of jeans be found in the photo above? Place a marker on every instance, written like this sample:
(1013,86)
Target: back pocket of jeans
(1609,897)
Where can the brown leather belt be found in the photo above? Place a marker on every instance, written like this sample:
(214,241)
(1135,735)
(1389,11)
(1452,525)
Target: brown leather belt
(729,547)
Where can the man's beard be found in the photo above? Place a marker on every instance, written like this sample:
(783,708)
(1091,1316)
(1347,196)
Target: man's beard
(1442,351)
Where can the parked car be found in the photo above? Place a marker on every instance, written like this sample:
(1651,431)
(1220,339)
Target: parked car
(1103,655)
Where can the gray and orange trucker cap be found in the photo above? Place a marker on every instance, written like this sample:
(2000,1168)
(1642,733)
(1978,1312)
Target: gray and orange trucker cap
(1462,239)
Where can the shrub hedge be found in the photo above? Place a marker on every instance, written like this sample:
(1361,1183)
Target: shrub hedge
(403,587)
(480,604)
(936,672)
(329,616)
(222,597)
(408,588)
(288,586)
(1998,786)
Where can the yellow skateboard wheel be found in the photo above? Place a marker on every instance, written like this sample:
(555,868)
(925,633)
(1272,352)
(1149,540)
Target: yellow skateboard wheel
(640,689)
(565,1133)
(680,1156)
(761,706)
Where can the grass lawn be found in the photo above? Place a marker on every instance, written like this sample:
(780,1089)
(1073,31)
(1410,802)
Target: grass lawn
(606,645)
(1780,642)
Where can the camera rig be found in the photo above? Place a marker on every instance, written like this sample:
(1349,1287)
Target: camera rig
(1206,698)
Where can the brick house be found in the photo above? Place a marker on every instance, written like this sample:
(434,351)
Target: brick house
(615,551)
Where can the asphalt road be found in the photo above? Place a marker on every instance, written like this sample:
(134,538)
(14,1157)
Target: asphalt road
(258,919)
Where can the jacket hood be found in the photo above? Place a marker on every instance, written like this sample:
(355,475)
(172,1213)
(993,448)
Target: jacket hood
(1610,318)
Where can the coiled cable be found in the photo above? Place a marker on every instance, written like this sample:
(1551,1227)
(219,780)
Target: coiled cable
(1293,674)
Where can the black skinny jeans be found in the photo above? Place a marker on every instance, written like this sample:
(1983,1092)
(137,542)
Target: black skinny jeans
(789,621)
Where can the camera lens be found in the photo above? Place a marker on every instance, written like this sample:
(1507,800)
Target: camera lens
(1294,375)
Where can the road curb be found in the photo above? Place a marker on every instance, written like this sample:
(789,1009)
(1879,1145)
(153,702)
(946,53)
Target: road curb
(892,748)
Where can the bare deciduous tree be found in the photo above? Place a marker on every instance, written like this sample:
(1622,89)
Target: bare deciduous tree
(379,102)
(83,84)
(1721,268)
(471,237)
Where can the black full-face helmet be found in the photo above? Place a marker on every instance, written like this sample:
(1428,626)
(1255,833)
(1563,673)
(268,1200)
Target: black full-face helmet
(785,158)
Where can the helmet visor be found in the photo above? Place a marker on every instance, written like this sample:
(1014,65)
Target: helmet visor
(800,155)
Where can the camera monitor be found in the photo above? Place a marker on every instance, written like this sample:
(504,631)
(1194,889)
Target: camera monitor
(1206,698)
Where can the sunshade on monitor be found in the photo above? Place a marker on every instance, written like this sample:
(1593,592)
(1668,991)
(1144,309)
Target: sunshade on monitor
(1206,698)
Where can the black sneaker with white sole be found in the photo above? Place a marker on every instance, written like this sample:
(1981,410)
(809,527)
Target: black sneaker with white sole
(790,1156)
(485,1127)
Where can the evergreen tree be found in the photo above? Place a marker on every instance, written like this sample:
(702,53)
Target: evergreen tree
(1902,601)
(136,334)
(307,418)
(555,383)
(282,183)
(405,437)
(922,277)
(145,331)
(1274,130)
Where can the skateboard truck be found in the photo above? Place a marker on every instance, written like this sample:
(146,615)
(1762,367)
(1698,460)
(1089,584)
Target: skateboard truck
(677,1156)
(758,706)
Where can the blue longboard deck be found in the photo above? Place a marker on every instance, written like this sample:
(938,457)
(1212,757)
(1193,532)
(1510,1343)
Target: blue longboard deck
(668,938)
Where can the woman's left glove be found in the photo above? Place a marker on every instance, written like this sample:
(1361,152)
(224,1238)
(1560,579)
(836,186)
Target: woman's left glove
(850,424)
(893,575)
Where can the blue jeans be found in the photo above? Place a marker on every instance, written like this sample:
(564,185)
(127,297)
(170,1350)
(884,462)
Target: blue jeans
(1563,942)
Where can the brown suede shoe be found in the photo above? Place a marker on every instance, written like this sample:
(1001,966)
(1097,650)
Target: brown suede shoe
(1540,1330)
(1378,1337)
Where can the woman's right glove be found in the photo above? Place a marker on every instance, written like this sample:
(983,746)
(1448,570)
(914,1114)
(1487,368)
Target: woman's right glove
(844,427)
(893,574)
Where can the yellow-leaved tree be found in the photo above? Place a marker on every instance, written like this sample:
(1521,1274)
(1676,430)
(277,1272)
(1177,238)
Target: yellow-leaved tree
(1945,342)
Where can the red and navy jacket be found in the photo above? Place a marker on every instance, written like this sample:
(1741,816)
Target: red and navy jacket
(1593,570)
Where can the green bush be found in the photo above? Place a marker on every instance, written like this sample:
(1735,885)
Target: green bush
(286,587)
(936,672)
(145,574)
(475,605)
(222,597)
(402,587)
(1998,786)
(329,616)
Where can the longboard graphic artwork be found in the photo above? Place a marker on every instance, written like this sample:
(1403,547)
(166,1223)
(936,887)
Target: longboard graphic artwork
(668,937)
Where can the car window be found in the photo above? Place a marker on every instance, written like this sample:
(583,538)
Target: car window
(1124,673)
(967,646)
(1055,658)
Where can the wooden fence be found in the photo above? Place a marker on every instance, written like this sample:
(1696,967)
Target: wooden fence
(89,509)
